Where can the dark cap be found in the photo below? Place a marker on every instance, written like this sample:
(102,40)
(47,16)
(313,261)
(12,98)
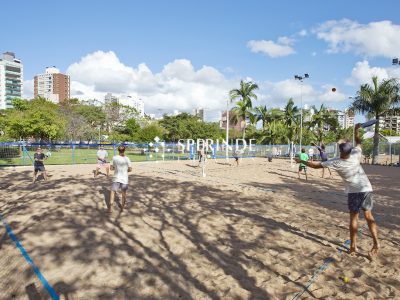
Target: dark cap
(345,148)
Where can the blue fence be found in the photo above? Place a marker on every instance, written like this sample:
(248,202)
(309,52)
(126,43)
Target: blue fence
(20,153)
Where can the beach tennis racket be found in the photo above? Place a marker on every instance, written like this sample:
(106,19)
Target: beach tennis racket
(369,123)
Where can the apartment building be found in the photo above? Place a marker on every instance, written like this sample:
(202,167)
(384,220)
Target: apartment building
(11,79)
(52,85)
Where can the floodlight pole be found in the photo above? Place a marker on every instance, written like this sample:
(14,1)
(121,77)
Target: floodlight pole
(395,61)
(301,78)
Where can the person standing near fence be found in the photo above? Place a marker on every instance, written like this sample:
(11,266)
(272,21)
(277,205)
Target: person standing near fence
(38,164)
(121,165)
(102,155)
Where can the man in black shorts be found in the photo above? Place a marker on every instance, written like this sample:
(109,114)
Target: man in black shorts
(357,187)
(38,165)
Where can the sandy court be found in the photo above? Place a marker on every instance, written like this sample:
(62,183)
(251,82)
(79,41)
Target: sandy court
(248,232)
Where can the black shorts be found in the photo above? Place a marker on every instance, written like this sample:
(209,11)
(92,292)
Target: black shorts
(303,168)
(357,201)
(39,168)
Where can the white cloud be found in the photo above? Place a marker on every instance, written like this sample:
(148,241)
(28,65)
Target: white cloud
(329,96)
(363,72)
(272,49)
(303,32)
(284,40)
(178,86)
(278,93)
(372,39)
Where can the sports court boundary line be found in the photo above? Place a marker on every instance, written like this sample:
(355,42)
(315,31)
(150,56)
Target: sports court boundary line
(325,265)
(48,287)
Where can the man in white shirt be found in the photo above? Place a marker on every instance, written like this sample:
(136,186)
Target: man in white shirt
(357,187)
(121,166)
(102,155)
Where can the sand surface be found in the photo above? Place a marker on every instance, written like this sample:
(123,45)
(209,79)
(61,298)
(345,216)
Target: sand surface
(248,232)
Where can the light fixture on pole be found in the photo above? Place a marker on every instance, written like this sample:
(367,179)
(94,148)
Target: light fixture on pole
(301,78)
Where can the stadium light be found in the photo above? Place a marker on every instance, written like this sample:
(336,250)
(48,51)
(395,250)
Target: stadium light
(301,78)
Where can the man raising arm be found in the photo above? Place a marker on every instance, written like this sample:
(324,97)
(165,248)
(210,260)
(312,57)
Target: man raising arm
(357,187)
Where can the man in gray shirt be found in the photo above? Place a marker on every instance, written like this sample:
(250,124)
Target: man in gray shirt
(357,187)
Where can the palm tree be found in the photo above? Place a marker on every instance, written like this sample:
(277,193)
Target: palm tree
(262,113)
(245,94)
(377,100)
(320,120)
(291,120)
(275,122)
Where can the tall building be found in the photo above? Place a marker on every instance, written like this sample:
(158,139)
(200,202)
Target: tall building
(137,104)
(232,125)
(345,118)
(110,98)
(11,79)
(390,122)
(52,85)
(199,112)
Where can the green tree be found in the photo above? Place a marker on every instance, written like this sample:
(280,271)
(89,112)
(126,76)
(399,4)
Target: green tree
(149,132)
(377,100)
(39,119)
(244,97)
(262,114)
(321,121)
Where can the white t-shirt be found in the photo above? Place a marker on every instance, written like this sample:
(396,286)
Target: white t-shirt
(121,165)
(102,154)
(311,152)
(351,171)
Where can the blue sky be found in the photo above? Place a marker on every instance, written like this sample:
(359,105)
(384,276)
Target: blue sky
(186,54)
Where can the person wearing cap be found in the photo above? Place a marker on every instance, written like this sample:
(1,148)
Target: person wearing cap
(102,155)
(38,164)
(357,187)
(121,166)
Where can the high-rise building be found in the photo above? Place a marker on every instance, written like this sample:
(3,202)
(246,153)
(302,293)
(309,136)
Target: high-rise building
(52,85)
(11,79)
(232,125)
(345,118)
(390,122)
(137,104)
(199,112)
(110,98)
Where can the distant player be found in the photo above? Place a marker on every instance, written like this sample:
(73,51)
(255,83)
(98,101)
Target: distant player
(236,156)
(324,157)
(38,164)
(102,155)
(302,166)
(121,165)
(357,187)
(201,155)
(311,154)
